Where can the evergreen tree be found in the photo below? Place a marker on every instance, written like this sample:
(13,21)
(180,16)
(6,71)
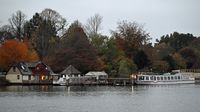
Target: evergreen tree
(141,60)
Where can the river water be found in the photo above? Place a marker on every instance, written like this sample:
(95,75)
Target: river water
(163,98)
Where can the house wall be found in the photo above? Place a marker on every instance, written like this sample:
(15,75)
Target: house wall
(14,75)
(26,78)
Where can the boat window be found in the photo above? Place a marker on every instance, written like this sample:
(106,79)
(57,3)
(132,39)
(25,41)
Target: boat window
(158,78)
(179,77)
(168,78)
(161,78)
(172,77)
(147,78)
(175,77)
(165,78)
(154,78)
(151,78)
(141,77)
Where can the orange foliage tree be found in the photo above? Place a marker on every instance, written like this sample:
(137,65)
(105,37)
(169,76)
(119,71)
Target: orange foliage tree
(13,51)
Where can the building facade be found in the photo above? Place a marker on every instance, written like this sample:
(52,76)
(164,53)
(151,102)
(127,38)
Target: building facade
(30,73)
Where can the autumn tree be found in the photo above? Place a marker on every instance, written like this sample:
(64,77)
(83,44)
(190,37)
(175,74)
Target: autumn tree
(195,44)
(77,52)
(190,56)
(130,36)
(13,51)
(179,61)
(126,67)
(17,22)
(160,66)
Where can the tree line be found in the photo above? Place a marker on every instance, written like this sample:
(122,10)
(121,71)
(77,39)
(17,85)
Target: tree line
(49,38)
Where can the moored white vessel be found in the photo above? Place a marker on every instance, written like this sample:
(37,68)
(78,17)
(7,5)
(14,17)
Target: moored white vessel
(166,78)
(61,81)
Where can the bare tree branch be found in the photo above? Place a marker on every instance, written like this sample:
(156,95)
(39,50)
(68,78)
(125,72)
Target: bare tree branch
(17,22)
(55,18)
(93,25)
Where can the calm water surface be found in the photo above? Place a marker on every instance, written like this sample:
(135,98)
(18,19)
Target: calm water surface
(165,98)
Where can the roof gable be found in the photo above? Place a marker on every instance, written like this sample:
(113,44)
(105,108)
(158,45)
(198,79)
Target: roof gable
(27,68)
(96,73)
(14,70)
(70,70)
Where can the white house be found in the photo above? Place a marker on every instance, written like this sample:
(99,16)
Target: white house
(98,75)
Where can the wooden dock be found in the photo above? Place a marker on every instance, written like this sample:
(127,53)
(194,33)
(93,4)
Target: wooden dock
(120,81)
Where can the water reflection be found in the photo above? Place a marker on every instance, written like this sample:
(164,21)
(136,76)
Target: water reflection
(162,98)
(39,90)
(85,90)
(50,88)
(26,88)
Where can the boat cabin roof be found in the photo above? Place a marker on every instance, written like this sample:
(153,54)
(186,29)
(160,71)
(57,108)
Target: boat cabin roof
(164,74)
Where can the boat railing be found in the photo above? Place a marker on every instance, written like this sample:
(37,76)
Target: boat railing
(149,73)
(152,73)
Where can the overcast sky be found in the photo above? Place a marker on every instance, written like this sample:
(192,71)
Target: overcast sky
(159,17)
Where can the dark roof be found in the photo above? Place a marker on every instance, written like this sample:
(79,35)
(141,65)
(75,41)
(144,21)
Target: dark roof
(32,65)
(70,70)
(26,67)
(23,68)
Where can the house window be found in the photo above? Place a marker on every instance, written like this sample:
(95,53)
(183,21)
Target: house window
(18,77)
(43,77)
(29,77)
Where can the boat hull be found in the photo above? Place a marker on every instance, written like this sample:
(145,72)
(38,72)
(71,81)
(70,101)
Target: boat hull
(61,81)
(164,82)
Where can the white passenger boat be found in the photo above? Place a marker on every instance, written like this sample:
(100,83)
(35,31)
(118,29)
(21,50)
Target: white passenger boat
(166,78)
